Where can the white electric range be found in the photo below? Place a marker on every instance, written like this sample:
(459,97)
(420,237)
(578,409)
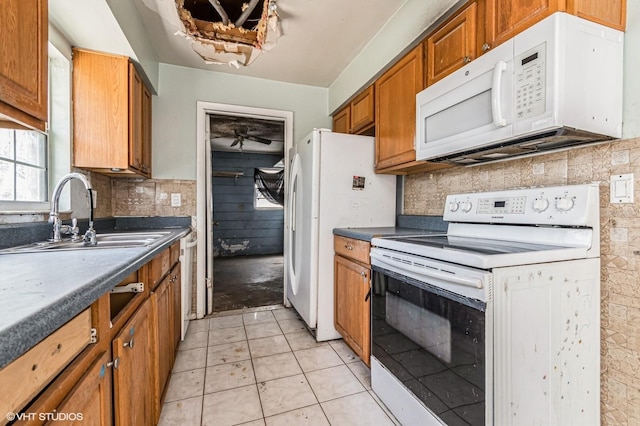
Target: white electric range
(498,321)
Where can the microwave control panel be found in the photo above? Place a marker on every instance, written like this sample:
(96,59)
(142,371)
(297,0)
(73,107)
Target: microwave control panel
(530,70)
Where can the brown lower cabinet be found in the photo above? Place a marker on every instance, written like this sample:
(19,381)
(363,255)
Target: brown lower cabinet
(352,315)
(121,377)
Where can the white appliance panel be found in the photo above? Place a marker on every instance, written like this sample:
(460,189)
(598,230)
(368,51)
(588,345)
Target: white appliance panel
(329,162)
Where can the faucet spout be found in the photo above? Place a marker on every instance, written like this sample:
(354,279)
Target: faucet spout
(55,202)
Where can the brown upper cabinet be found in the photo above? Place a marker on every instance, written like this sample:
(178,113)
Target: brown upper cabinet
(453,45)
(506,18)
(395,93)
(111,115)
(359,116)
(23,68)
(481,25)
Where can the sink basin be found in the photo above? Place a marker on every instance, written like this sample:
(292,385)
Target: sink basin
(107,240)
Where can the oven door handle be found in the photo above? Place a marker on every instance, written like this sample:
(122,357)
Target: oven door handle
(444,276)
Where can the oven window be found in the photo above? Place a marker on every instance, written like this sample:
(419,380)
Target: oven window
(434,345)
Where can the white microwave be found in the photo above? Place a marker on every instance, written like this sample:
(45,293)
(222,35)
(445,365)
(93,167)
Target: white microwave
(555,85)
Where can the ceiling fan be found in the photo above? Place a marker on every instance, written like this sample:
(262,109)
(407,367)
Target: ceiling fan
(242,135)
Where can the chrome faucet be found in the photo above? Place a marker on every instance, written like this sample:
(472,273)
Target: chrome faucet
(90,236)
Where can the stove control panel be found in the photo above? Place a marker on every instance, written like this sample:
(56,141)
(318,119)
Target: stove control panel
(572,205)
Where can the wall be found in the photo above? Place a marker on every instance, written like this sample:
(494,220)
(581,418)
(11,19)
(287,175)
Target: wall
(395,37)
(241,229)
(152,197)
(174,111)
(620,248)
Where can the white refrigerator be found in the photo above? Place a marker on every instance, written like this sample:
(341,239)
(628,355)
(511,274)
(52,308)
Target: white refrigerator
(332,184)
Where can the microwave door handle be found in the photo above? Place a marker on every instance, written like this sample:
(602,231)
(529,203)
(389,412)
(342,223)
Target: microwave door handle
(496,92)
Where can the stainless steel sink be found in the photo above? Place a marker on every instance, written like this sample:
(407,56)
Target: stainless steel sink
(107,240)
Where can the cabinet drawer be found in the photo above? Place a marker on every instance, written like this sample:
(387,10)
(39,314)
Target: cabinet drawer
(351,248)
(30,373)
(160,265)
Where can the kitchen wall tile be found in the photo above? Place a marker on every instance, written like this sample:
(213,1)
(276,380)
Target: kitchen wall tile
(620,249)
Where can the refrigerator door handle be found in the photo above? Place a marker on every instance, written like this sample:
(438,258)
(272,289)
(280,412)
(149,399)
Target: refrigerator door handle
(294,184)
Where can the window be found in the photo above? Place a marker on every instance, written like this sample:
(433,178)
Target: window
(23,166)
(268,188)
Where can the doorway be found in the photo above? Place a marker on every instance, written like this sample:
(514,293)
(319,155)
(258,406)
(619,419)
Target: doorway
(240,260)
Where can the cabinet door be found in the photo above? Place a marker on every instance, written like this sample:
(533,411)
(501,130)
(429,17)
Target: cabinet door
(352,318)
(342,120)
(24,61)
(395,96)
(176,305)
(612,13)
(136,128)
(506,18)
(453,45)
(134,378)
(161,299)
(90,399)
(362,111)
(146,131)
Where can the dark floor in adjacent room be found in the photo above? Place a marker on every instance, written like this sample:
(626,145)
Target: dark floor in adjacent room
(247,282)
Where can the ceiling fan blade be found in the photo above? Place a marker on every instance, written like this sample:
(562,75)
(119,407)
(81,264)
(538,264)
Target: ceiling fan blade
(237,141)
(258,139)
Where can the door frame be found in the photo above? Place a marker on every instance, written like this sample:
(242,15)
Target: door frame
(204,202)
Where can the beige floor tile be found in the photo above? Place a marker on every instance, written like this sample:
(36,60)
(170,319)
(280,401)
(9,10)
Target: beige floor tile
(344,351)
(194,340)
(362,372)
(228,376)
(228,352)
(384,408)
(231,407)
(186,412)
(268,346)
(197,326)
(218,336)
(307,416)
(286,394)
(292,325)
(286,313)
(317,358)
(185,384)
(358,409)
(230,321)
(276,366)
(259,422)
(258,317)
(190,359)
(303,340)
(334,382)
(267,329)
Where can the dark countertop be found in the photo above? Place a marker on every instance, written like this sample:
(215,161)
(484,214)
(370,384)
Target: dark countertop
(40,292)
(366,234)
(405,225)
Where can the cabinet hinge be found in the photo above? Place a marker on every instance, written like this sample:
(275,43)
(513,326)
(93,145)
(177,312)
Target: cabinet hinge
(129,288)
(94,336)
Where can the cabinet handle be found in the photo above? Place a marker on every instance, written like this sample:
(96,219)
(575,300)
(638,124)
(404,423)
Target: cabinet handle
(368,295)
(348,247)
(128,344)
(486,47)
(466,59)
(115,363)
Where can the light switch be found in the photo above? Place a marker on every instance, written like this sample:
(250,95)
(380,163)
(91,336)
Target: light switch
(176,199)
(621,188)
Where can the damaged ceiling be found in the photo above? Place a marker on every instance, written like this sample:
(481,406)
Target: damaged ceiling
(230,32)
(304,41)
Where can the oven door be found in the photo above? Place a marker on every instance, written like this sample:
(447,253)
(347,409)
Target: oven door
(437,344)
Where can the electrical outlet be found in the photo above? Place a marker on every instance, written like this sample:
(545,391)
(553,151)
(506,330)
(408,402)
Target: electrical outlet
(176,199)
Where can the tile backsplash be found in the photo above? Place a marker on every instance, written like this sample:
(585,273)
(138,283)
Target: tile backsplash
(620,247)
(137,197)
